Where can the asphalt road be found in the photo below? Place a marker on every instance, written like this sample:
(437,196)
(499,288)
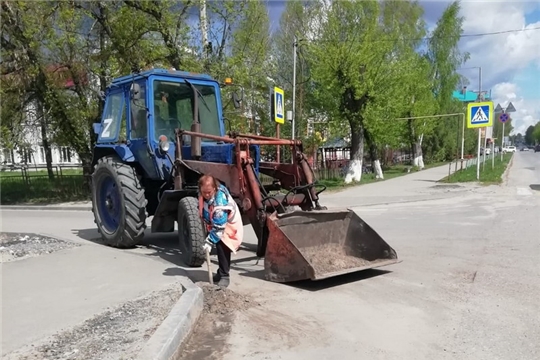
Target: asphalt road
(468,286)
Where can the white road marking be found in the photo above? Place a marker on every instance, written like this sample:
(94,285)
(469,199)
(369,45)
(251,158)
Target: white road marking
(522,191)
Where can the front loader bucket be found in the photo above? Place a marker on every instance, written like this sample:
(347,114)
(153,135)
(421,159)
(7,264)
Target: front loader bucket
(321,244)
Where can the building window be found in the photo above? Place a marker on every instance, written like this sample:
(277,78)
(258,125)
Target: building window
(7,156)
(65,155)
(26,155)
(42,158)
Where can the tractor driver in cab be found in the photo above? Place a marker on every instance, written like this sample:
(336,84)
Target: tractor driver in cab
(165,125)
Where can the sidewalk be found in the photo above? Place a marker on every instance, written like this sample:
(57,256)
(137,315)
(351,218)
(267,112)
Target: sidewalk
(416,186)
(61,285)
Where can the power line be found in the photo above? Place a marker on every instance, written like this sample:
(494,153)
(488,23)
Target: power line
(500,32)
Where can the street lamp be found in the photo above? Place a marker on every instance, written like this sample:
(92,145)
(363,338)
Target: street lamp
(479,98)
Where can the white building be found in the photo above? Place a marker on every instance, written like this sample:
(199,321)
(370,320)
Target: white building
(30,152)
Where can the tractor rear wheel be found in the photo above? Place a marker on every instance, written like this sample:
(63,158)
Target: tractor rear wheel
(118,203)
(191,232)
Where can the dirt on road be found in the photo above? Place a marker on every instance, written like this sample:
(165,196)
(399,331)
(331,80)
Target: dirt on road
(209,339)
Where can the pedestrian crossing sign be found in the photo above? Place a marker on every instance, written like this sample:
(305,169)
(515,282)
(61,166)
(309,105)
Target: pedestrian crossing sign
(480,114)
(279,113)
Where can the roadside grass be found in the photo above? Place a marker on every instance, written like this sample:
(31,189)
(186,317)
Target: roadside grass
(488,175)
(39,189)
(34,186)
(30,172)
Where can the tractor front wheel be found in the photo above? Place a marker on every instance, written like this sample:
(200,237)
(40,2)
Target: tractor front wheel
(191,232)
(118,203)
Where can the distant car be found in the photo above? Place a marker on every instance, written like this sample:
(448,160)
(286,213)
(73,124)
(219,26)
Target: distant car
(524,149)
(509,149)
(537,148)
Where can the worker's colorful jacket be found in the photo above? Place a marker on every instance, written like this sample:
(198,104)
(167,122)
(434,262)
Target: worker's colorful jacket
(222,208)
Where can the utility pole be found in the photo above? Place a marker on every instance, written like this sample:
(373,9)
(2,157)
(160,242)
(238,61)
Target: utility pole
(479,129)
(479,98)
(204,28)
(295,45)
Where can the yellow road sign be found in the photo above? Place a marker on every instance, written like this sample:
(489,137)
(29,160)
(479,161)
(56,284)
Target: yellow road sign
(480,114)
(279,105)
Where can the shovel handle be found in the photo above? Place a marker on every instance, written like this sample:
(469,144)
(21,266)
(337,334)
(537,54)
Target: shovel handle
(210,279)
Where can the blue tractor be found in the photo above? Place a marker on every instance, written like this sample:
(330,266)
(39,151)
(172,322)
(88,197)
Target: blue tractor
(161,130)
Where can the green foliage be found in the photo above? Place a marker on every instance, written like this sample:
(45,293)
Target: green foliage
(529,134)
(536,133)
(360,66)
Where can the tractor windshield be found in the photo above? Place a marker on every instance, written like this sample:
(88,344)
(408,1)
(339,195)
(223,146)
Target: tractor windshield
(173,108)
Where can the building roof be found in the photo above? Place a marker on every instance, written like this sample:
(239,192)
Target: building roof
(469,96)
(335,144)
(164,72)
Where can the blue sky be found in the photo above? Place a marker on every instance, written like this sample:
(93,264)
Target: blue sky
(510,61)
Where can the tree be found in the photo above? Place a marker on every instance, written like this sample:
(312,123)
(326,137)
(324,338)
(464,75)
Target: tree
(248,64)
(529,137)
(365,60)
(445,58)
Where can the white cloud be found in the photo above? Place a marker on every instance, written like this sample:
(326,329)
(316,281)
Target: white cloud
(508,60)
(528,110)
(501,56)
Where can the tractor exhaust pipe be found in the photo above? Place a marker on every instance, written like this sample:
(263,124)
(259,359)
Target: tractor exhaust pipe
(195,125)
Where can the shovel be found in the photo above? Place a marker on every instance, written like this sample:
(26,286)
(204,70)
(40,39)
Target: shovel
(210,279)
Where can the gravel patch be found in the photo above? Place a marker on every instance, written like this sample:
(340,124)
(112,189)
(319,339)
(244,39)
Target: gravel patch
(219,300)
(18,246)
(116,334)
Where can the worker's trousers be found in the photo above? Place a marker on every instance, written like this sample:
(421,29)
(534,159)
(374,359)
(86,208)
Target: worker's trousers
(224,259)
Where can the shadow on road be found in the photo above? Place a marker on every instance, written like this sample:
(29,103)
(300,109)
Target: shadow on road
(310,285)
(165,246)
(338,280)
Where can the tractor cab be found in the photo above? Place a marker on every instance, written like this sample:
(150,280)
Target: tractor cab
(143,110)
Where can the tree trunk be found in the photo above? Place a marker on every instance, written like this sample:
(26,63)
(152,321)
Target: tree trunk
(374,155)
(416,146)
(419,158)
(354,172)
(45,140)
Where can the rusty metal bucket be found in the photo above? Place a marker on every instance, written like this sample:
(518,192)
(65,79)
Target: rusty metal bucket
(321,244)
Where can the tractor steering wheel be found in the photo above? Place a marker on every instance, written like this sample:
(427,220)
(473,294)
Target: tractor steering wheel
(169,130)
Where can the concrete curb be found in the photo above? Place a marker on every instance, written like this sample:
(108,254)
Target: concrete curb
(507,170)
(46,207)
(176,328)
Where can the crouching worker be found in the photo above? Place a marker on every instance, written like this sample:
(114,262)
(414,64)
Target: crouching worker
(223,222)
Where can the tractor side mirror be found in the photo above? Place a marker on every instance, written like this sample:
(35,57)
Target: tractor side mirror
(236,99)
(135,91)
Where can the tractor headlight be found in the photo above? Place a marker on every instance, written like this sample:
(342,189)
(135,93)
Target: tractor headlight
(164,144)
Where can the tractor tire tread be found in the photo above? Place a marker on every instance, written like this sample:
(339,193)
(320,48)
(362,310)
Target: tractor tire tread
(189,207)
(134,223)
